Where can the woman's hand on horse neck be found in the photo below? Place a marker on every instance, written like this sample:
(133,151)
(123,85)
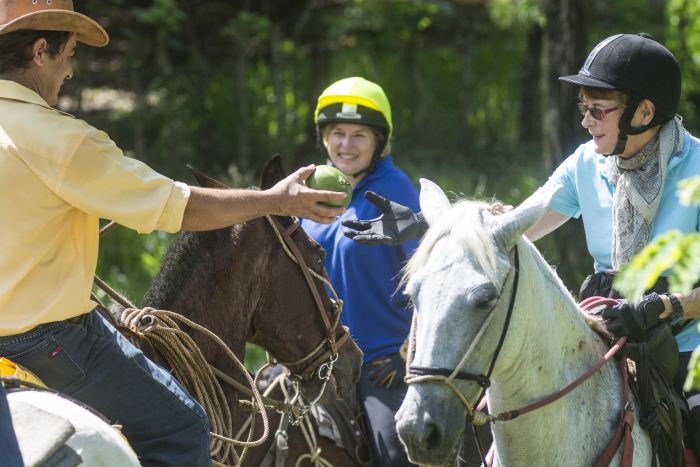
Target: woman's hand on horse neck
(211,208)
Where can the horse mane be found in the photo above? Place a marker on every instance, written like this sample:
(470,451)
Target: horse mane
(464,222)
(180,261)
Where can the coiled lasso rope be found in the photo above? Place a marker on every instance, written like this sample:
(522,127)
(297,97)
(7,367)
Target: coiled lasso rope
(190,368)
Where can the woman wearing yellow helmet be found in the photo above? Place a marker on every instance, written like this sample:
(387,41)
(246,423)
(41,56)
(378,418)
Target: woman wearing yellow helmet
(353,121)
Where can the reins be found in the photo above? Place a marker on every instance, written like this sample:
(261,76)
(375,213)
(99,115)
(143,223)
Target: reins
(330,355)
(475,415)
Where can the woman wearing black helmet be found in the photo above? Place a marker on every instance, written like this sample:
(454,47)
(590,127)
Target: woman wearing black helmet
(623,182)
(353,120)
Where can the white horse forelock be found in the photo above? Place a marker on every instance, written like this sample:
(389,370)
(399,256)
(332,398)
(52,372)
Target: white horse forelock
(464,223)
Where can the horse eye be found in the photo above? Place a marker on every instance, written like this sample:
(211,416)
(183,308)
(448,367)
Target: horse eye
(485,304)
(485,300)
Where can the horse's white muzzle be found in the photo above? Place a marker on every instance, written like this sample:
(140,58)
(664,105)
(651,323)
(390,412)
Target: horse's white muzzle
(430,425)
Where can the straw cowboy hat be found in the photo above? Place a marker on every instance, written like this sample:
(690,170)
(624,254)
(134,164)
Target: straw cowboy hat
(50,15)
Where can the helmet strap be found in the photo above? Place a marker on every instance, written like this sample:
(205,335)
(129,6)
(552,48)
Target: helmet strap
(625,126)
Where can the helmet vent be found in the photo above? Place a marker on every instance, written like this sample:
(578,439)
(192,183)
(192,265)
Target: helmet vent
(349,111)
(585,69)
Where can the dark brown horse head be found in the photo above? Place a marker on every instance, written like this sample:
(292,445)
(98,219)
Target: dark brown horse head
(261,282)
(307,278)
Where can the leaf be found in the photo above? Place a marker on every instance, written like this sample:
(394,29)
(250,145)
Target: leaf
(689,191)
(674,252)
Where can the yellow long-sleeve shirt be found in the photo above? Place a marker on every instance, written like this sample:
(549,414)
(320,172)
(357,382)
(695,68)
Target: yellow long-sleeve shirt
(58,177)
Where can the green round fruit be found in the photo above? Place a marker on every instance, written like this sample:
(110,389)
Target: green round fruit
(329,178)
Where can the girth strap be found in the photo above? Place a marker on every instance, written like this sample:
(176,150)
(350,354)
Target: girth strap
(623,434)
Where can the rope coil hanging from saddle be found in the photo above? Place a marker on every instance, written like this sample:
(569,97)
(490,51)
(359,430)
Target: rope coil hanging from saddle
(190,368)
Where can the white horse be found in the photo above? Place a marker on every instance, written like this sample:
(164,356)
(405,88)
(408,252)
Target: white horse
(461,280)
(53,430)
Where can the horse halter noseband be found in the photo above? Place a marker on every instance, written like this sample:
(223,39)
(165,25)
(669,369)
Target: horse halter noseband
(319,362)
(416,374)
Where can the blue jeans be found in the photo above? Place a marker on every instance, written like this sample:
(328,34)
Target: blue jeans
(380,404)
(9,450)
(88,359)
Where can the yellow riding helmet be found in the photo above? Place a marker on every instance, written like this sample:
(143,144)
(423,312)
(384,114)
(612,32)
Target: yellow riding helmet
(355,100)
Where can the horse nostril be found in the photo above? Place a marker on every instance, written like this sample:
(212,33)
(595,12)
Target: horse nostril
(432,437)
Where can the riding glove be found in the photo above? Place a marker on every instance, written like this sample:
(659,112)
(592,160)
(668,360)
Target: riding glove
(395,225)
(633,321)
(388,371)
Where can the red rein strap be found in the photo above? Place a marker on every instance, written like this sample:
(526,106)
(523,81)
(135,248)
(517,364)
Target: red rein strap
(511,414)
(623,434)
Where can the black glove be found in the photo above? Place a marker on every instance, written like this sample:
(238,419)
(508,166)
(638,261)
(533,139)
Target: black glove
(395,225)
(633,321)
(388,371)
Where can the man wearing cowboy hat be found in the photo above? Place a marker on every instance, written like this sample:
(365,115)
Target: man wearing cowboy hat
(60,176)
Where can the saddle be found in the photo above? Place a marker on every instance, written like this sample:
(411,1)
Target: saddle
(341,422)
(41,435)
(662,410)
(652,363)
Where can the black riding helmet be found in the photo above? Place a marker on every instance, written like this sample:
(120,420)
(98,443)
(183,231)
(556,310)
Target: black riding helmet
(639,66)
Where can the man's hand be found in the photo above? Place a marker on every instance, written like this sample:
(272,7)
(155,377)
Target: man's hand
(395,225)
(388,371)
(296,199)
(633,321)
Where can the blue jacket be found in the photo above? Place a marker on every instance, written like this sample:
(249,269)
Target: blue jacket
(366,277)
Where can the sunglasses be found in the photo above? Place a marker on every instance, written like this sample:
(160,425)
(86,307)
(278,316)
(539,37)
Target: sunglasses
(596,112)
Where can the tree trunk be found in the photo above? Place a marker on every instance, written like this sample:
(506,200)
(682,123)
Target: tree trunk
(563,52)
(242,98)
(277,66)
(563,48)
(527,126)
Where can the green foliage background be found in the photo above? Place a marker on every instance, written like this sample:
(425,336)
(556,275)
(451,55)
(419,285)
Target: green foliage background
(225,84)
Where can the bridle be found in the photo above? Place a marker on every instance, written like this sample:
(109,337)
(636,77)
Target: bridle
(416,374)
(319,362)
(475,417)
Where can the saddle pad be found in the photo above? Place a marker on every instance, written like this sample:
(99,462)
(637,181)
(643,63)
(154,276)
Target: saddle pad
(327,426)
(42,436)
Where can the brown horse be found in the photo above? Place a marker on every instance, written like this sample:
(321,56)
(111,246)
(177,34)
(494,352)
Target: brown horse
(241,283)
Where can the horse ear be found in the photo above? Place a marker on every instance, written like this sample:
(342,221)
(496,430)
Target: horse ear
(272,173)
(433,201)
(205,180)
(509,227)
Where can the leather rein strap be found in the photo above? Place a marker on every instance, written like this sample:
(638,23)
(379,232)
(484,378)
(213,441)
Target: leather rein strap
(511,414)
(309,363)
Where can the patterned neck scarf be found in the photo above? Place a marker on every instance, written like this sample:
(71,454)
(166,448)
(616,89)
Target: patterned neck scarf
(639,182)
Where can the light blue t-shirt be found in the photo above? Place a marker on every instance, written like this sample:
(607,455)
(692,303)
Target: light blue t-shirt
(586,191)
